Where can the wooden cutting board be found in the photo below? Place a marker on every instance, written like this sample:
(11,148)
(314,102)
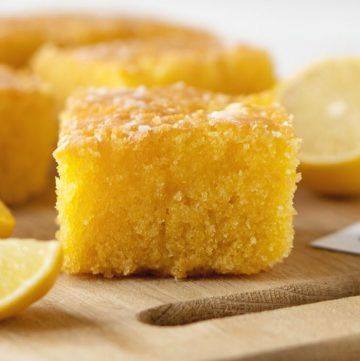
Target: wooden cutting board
(90,318)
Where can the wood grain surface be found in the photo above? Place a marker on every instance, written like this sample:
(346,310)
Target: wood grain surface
(307,308)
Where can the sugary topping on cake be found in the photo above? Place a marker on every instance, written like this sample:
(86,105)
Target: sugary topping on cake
(10,79)
(98,114)
(138,50)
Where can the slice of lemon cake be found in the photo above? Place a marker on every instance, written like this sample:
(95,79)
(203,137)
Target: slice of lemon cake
(174,181)
(20,37)
(28,132)
(204,63)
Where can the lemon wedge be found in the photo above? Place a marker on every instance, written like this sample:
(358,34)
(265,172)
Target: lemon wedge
(28,269)
(7,221)
(325,102)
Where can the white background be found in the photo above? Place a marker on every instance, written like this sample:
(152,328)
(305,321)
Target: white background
(296,32)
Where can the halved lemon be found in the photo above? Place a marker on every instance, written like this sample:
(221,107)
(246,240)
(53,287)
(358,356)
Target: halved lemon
(28,269)
(325,102)
(7,221)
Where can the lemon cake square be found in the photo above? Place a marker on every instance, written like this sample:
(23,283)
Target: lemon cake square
(174,181)
(20,37)
(28,133)
(204,63)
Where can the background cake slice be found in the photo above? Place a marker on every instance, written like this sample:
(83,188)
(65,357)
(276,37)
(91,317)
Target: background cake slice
(20,37)
(28,132)
(202,62)
(174,181)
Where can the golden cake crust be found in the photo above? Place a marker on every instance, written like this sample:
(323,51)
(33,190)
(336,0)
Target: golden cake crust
(100,113)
